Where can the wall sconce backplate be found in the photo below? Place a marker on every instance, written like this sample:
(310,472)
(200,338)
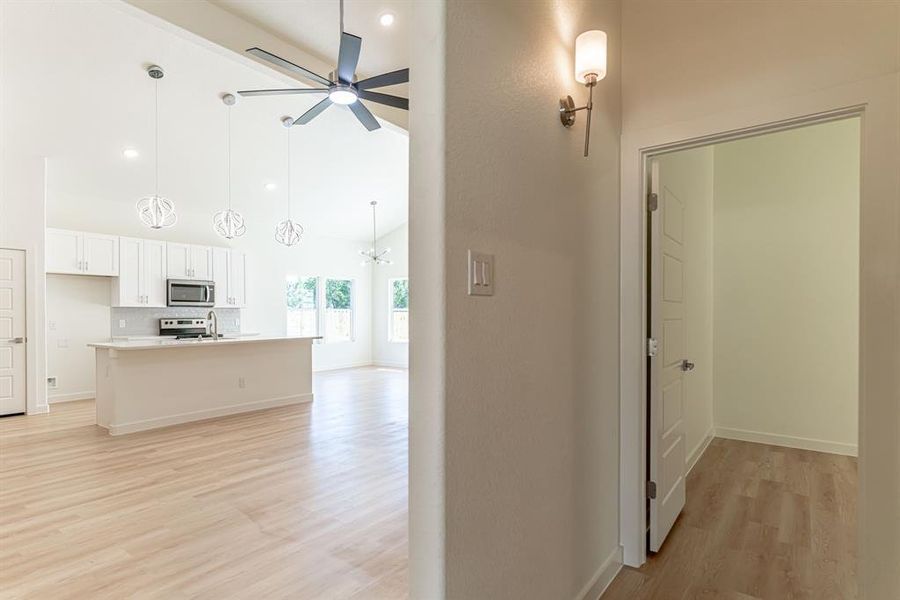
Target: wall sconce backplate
(567,111)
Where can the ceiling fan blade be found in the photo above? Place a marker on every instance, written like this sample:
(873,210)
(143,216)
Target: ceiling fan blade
(385,79)
(286,64)
(314,112)
(348,57)
(395,101)
(365,117)
(283,92)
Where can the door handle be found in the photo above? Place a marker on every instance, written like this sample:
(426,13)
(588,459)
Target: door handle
(687,365)
(15,340)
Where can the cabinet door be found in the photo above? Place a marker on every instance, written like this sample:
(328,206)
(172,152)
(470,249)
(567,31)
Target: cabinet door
(178,261)
(155,288)
(100,254)
(237,278)
(63,251)
(201,262)
(130,281)
(220,276)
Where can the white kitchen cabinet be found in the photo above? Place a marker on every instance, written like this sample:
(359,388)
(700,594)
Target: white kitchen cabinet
(79,253)
(142,274)
(187,261)
(230,274)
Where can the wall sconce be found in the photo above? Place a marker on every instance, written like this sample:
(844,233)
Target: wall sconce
(590,67)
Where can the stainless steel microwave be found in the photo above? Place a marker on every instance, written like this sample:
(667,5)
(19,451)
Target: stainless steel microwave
(190,292)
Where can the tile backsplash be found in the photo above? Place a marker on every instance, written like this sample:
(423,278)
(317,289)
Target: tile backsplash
(145,321)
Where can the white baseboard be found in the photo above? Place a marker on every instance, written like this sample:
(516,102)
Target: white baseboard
(88,395)
(200,415)
(698,451)
(602,577)
(354,365)
(787,441)
(391,365)
(40,409)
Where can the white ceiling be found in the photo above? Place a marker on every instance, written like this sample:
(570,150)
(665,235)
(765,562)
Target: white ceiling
(312,25)
(74,74)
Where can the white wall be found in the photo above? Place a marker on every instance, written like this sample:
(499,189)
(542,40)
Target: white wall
(689,175)
(526,410)
(787,286)
(77,314)
(384,351)
(759,59)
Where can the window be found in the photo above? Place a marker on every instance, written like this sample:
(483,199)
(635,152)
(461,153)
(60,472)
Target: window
(338,310)
(398,327)
(302,294)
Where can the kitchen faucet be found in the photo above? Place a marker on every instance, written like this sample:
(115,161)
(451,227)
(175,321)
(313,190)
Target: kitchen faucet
(213,324)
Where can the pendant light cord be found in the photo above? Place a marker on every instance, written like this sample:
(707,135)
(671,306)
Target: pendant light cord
(374,234)
(289,173)
(156,132)
(228,153)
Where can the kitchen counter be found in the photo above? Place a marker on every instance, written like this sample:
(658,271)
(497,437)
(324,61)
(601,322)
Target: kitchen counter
(157,382)
(170,342)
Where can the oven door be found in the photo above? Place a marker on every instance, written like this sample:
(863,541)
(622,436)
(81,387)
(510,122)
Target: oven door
(184,292)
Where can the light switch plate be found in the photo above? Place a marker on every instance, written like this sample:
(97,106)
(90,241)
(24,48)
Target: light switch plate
(121,323)
(481,274)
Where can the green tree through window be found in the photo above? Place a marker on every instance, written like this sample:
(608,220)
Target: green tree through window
(401,293)
(338,293)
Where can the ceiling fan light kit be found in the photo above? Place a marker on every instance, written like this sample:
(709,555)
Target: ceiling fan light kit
(340,86)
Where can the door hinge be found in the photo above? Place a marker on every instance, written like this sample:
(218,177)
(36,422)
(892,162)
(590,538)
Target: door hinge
(652,347)
(652,201)
(651,490)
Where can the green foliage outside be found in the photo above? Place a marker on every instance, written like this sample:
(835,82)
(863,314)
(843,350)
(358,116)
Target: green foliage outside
(401,294)
(338,293)
(301,293)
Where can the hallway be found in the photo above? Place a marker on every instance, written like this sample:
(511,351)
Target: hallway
(761,522)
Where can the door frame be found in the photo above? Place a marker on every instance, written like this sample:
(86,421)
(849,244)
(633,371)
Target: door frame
(875,102)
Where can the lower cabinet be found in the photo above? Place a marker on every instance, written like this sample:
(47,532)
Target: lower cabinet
(142,274)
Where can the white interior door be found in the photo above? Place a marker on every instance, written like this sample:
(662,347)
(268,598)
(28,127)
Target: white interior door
(667,310)
(12,331)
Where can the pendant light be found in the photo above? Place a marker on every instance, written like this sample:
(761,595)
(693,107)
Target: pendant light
(288,232)
(156,212)
(228,223)
(372,255)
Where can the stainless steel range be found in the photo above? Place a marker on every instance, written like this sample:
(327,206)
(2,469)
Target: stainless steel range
(184,329)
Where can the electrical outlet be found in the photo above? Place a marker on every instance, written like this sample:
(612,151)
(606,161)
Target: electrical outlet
(241,383)
(51,383)
(121,323)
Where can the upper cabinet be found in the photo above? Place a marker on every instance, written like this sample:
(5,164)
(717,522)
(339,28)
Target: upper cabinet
(230,276)
(142,273)
(187,261)
(81,253)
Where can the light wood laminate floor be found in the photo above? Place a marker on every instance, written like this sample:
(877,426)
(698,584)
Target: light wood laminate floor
(760,522)
(297,502)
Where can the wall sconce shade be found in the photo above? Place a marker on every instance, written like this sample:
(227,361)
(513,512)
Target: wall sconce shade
(590,56)
(590,67)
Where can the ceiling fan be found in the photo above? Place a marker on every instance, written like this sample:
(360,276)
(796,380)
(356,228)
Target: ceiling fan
(340,85)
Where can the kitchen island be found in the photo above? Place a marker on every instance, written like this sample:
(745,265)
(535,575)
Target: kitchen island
(145,384)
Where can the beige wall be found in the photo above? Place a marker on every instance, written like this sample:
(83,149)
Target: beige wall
(529,405)
(749,59)
(787,287)
(689,175)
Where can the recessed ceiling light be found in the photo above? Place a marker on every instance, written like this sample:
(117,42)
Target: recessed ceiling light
(387,19)
(130,153)
(270,186)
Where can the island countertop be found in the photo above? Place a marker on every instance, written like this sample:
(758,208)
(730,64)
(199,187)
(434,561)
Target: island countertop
(165,343)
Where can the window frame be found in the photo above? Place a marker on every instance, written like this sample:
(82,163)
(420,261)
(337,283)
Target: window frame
(323,309)
(390,315)
(318,308)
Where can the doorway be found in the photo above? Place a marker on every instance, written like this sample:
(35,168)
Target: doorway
(12,332)
(753,302)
